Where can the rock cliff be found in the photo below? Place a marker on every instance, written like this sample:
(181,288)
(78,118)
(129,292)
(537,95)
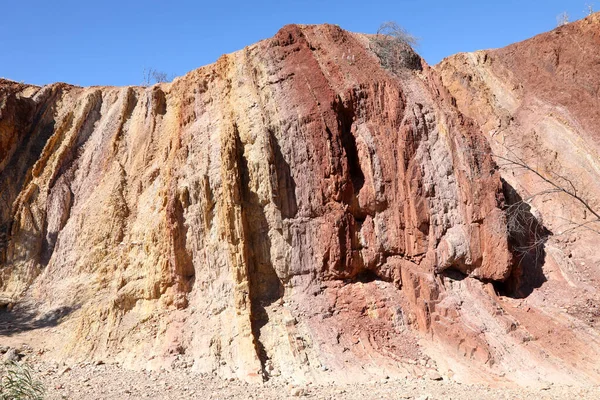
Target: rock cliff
(538,104)
(294,210)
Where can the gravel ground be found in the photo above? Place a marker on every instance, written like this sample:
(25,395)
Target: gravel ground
(112,382)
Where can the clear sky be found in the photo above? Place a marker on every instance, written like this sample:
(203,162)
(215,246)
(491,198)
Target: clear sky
(110,42)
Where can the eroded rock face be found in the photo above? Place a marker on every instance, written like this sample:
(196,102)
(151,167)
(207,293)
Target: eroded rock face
(286,211)
(538,104)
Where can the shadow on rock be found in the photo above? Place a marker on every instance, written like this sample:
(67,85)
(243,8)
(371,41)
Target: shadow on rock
(25,318)
(527,239)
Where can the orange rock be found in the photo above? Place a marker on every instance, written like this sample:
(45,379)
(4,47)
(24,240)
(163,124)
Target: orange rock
(282,183)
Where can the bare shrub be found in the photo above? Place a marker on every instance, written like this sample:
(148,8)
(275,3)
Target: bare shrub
(589,8)
(394,46)
(524,224)
(152,76)
(394,31)
(557,183)
(562,19)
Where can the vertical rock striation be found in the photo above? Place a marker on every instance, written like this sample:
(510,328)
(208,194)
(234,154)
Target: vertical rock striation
(291,209)
(538,104)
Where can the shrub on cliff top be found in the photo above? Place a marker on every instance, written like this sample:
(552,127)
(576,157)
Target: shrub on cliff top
(562,19)
(393,45)
(152,76)
(395,32)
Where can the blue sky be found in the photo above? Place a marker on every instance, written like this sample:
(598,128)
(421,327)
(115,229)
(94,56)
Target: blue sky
(108,42)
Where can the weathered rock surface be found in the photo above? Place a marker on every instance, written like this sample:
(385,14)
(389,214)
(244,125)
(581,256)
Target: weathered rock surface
(538,103)
(293,211)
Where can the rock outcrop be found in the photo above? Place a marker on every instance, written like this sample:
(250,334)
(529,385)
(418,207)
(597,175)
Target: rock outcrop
(294,210)
(538,104)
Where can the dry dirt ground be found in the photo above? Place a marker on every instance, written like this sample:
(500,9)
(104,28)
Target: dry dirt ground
(86,381)
(101,380)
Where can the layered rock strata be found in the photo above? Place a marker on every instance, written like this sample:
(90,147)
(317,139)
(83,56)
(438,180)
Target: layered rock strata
(538,104)
(292,210)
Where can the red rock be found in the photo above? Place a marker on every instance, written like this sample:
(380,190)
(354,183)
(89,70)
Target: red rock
(281,183)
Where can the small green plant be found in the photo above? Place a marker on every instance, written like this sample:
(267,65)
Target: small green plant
(17,383)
